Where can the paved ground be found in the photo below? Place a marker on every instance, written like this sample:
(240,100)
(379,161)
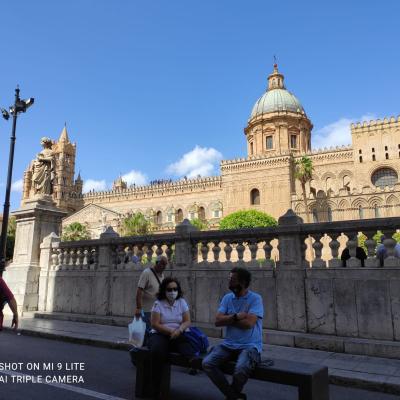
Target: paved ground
(344,369)
(108,374)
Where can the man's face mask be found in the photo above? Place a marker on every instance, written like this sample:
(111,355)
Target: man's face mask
(234,284)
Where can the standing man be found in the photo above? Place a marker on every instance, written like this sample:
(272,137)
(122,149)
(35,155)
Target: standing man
(6,296)
(241,312)
(147,289)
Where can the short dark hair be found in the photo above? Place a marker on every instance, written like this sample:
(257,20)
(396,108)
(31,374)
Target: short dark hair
(243,274)
(162,292)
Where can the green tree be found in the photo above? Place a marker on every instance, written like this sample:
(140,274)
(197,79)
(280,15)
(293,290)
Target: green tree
(247,219)
(303,173)
(201,225)
(75,231)
(11,228)
(136,224)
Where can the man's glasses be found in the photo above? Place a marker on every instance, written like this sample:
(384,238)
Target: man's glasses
(172,289)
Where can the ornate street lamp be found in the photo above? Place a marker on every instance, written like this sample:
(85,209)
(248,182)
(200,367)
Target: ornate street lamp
(18,107)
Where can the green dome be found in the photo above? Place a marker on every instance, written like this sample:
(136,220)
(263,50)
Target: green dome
(277,100)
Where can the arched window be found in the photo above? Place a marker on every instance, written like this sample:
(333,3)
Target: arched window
(179,216)
(384,177)
(360,212)
(315,215)
(346,182)
(202,213)
(376,211)
(255,197)
(159,218)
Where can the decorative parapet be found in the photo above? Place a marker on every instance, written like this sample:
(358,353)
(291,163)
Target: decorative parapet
(373,125)
(258,161)
(165,188)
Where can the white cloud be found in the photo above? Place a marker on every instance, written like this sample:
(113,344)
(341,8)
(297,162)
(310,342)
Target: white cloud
(17,185)
(135,177)
(92,184)
(337,133)
(199,161)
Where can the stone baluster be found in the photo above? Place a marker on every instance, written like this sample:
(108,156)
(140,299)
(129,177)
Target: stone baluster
(67,257)
(334,245)
(267,253)
(60,259)
(228,250)
(216,250)
(129,253)
(72,259)
(169,252)
(139,252)
(305,249)
(253,247)
(159,250)
(54,258)
(94,258)
(240,250)
(79,257)
(149,253)
(318,262)
(372,261)
(390,259)
(85,261)
(204,250)
(352,243)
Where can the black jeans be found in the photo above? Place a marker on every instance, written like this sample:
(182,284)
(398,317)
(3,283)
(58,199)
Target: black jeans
(160,345)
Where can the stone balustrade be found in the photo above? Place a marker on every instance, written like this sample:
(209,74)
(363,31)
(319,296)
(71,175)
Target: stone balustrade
(295,267)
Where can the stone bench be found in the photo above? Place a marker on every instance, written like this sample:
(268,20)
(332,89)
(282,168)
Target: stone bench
(311,380)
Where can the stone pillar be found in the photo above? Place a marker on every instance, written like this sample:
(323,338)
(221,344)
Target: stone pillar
(102,281)
(183,245)
(290,276)
(47,256)
(35,220)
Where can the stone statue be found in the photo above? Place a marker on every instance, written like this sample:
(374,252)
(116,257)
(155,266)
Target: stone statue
(42,169)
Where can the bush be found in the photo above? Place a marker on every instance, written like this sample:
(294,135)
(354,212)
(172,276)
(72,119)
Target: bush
(199,224)
(11,228)
(247,219)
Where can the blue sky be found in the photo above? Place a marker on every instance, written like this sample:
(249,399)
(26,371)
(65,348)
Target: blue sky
(163,89)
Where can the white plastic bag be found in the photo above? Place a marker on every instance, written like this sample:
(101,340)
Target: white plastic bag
(137,330)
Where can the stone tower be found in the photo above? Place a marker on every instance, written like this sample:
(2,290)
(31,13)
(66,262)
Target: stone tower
(67,192)
(278,123)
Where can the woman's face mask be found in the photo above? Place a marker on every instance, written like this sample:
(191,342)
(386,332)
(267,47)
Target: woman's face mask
(172,294)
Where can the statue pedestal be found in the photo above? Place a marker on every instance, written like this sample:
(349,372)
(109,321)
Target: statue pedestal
(35,220)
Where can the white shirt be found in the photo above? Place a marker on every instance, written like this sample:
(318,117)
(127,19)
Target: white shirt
(171,316)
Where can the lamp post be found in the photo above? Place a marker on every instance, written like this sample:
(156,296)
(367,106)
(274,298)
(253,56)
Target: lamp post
(18,107)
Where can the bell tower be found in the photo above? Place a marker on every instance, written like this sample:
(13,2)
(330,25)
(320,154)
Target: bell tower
(67,193)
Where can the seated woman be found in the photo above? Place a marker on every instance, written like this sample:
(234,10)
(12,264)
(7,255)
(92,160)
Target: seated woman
(169,319)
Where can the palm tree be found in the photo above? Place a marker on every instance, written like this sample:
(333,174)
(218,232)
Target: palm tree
(303,172)
(134,225)
(75,231)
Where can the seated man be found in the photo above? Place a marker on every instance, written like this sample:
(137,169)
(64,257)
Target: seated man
(241,312)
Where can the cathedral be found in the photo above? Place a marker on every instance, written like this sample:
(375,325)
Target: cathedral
(354,182)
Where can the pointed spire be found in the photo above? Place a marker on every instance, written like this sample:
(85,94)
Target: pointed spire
(64,135)
(275,80)
(79,176)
